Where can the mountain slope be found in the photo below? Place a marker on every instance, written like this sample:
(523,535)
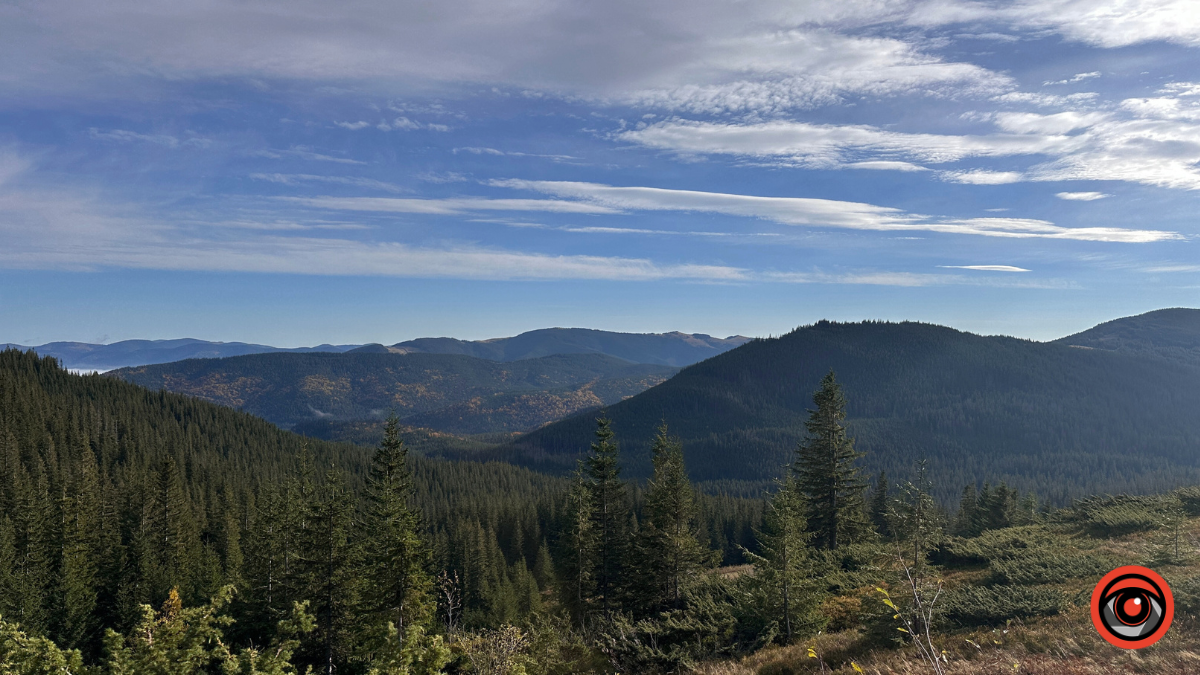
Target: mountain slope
(88,357)
(459,394)
(668,349)
(1057,419)
(1166,333)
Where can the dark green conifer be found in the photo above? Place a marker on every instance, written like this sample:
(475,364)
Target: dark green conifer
(826,471)
(609,515)
(785,572)
(669,550)
(877,509)
(396,559)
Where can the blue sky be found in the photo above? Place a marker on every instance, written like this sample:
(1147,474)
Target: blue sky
(303,172)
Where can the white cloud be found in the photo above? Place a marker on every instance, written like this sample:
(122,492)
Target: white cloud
(1079,77)
(824,212)
(301,178)
(986,268)
(708,55)
(885,165)
(913,280)
(166,140)
(1154,142)
(828,145)
(447,206)
(1081,196)
(353,126)
(304,152)
(1104,23)
(982,177)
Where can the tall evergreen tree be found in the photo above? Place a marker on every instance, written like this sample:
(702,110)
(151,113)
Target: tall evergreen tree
(877,508)
(330,563)
(827,473)
(576,547)
(80,551)
(785,571)
(669,551)
(609,516)
(396,560)
(967,522)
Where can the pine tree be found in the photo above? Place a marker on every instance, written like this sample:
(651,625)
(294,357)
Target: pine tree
(396,559)
(329,560)
(826,471)
(576,548)
(609,515)
(784,570)
(80,551)
(878,506)
(669,549)
(967,521)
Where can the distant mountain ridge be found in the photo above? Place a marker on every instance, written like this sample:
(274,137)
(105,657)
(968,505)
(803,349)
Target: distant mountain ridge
(667,349)
(445,392)
(1061,420)
(1172,334)
(102,357)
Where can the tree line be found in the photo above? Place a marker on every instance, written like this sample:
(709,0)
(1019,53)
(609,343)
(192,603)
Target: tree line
(141,528)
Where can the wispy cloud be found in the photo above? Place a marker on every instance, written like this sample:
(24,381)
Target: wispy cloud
(304,152)
(986,268)
(1081,196)
(448,206)
(165,140)
(823,212)
(302,178)
(1154,143)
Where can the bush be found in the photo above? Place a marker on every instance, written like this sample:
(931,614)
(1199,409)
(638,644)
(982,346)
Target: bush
(1113,516)
(993,605)
(991,545)
(1044,566)
(1189,500)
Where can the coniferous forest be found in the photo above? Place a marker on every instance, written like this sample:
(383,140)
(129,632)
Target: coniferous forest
(148,532)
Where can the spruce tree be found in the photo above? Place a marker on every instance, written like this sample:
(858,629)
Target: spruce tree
(785,572)
(609,516)
(396,559)
(669,550)
(967,521)
(877,509)
(827,473)
(80,550)
(576,547)
(330,560)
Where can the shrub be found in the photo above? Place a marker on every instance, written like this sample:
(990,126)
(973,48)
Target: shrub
(993,605)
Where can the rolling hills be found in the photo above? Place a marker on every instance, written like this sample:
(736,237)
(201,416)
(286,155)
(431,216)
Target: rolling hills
(444,392)
(1172,334)
(87,356)
(1048,416)
(666,349)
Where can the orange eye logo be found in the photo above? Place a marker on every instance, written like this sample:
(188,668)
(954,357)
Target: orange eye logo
(1132,607)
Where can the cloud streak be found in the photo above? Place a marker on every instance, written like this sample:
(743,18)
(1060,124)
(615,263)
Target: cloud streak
(824,212)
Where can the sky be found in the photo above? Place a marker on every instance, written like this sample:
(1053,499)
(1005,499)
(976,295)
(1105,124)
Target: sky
(302,172)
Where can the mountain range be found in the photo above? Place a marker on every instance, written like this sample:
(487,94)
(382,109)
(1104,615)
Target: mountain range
(444,392)
(669,349)
(1110,409)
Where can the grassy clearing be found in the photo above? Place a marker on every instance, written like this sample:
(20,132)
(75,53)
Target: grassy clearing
(1065,557)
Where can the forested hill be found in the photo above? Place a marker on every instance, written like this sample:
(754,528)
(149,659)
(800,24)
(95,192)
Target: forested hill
(446,392)
(668,349)
(1166,333)
(1060,420)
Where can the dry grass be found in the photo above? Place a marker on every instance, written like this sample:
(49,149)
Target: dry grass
(1061,645)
